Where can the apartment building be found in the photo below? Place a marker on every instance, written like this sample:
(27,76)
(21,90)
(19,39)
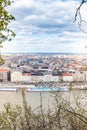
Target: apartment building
(4,75)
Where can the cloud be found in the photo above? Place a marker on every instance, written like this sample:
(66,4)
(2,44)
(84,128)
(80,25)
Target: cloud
(45,18)
(24,47)
(45,25)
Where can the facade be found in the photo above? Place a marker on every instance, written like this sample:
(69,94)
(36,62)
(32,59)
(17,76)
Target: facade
(79,76)
(67,77)
(28,78)
(16,76)
(4,75)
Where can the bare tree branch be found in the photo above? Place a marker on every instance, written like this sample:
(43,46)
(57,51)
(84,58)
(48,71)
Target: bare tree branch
(79,16)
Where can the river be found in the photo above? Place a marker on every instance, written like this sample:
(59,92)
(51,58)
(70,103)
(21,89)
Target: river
(34,98)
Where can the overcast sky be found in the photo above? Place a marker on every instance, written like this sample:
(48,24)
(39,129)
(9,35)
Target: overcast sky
(45,26)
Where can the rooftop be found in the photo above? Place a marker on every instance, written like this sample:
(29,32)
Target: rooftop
(4,70)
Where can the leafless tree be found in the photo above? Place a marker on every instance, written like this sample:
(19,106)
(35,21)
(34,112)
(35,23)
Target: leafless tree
(82,22)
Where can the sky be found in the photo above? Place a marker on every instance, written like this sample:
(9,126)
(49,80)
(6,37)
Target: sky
(46,26)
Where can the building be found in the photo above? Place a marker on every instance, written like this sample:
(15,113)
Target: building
(67,77)
(79,76)
(4,75)
(16,76)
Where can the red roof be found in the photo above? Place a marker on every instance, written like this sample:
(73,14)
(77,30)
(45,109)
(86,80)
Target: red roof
(67,74)
(26,74)
(4,70)
(70,65)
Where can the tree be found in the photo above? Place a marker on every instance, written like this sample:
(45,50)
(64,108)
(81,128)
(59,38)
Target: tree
(1,60)
(82,21)
(5,19)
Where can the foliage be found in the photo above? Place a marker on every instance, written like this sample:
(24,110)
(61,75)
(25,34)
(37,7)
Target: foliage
(62,117)
(9,118)
(1,60)
(5,19)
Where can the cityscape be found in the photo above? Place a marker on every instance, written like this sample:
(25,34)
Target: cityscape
(47,70)
(43,65)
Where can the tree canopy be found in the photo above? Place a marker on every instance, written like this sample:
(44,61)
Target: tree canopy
(5,19)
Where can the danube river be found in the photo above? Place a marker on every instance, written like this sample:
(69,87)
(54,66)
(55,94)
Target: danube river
(48,99)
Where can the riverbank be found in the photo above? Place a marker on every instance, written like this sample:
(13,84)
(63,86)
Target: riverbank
(16,85)
(70,86)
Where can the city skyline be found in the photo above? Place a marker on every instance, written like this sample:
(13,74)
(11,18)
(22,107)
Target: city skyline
(45,26)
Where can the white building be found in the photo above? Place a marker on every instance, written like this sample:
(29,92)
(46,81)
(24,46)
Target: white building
(67,77)
(16,76)
(79,76)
